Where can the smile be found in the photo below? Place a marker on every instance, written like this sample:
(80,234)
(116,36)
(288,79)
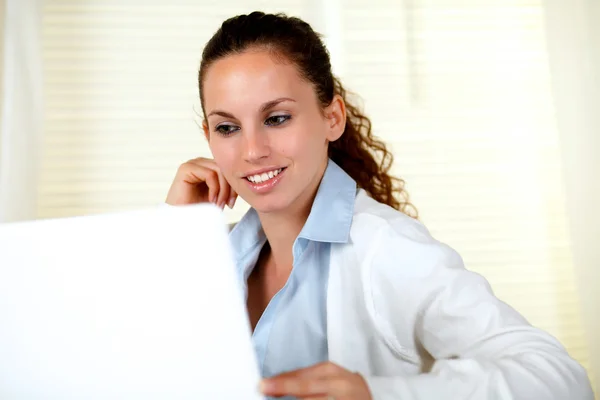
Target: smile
(265,176)
(266,181)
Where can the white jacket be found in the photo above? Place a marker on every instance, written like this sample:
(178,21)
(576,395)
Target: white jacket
(405,313)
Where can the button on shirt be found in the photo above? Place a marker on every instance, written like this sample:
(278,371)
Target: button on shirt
(292,331)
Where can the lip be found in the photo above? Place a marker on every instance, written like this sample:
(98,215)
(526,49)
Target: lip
(265,187)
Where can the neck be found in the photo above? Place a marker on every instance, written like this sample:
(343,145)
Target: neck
(282,228)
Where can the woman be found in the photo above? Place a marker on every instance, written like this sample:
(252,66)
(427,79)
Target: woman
(348,295)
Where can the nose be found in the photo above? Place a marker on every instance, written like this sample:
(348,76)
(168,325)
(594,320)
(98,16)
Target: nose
(256,145)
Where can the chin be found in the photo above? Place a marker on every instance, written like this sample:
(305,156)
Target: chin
(269,204)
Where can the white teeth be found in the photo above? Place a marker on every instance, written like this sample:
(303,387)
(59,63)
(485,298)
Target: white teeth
(265,176)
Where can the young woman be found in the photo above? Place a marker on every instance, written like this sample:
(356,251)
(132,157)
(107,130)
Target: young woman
(348,295)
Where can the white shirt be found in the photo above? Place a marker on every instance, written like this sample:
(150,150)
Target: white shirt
(404,312)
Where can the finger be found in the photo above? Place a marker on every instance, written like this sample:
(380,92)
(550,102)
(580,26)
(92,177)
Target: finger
(296,387)
(321,370)
(194,176)
(224,193)
(194,171)
(224,190)
(310,388)
(209,177)
(232,198)
(204,170)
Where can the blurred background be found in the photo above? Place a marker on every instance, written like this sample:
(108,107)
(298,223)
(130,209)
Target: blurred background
(491,107)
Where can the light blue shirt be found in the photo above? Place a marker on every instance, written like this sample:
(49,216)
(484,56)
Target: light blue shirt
(292,331)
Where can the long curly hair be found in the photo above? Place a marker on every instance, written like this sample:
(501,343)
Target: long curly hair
(358,152)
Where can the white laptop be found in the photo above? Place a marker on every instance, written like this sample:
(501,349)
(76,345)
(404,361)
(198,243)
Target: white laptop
(136,305)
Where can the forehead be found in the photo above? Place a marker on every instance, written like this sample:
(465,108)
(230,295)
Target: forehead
(252,77)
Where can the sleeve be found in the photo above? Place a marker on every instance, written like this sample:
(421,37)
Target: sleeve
(482,348)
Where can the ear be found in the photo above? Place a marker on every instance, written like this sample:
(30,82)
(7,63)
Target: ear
(205,129)
(335,117)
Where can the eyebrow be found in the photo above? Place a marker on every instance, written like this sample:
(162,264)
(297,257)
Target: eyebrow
(270,104)
(265,107)
(221,113)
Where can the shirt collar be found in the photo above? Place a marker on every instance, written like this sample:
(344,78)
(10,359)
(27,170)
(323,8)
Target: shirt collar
(329,220)
(331,213)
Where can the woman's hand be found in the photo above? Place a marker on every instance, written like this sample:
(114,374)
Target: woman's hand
(200,181)
(326,381)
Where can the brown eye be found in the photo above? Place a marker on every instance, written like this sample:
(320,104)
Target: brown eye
(276,120)
(226,130)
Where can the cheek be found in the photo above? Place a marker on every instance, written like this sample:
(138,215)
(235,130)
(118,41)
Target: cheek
(224,154)
(302,142)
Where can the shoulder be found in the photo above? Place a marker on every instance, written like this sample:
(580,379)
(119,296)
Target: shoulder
(402,269)
(390,238)
(374,216)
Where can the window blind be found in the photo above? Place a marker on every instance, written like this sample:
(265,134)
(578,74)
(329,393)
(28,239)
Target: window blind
(460,89)
(122,100)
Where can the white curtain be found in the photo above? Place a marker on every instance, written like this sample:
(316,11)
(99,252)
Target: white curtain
(573,34)
(22,110)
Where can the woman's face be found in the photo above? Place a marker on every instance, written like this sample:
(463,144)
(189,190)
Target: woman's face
(266,130)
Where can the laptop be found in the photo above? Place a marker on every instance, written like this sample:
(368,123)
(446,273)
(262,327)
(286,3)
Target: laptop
(134,305)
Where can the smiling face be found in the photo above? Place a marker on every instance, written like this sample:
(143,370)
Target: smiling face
(266,129)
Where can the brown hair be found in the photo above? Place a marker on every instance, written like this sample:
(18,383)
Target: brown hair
(365,158)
